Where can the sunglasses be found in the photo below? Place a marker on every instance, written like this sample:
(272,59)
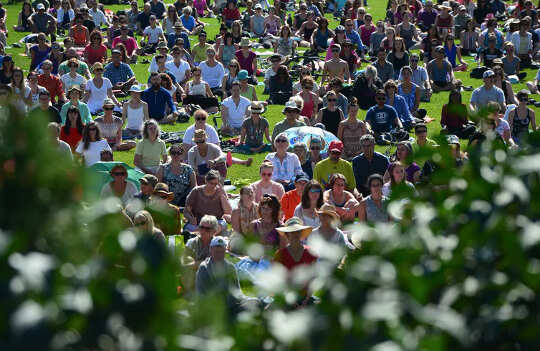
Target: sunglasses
(314,190)
(199,141)
(173,153)
(315,148)
(415,60)
(281,141)
(200,119)
(266,174)
(119,174)
(332,100)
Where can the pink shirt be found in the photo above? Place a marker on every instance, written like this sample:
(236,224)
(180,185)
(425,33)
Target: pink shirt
(95,55)
(200,5)
(258,191)
(130,44)
(246,62)
(365,33)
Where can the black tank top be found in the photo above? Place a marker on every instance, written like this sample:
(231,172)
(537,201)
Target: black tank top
(331,120)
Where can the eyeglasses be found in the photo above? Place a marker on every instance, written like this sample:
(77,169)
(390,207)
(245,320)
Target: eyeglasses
(266,174)
(281,140)
(108,108)
(119,174)
(332,100)
(175,153)
(315,148)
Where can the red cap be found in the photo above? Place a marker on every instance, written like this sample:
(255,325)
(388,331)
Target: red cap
(336,145)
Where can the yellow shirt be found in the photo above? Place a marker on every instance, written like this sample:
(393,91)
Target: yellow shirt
(199,52)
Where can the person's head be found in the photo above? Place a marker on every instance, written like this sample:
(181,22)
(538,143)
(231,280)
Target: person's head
(336,84)
(524,24)
(74,93)
(256,108)
(380,97)
(235,89)
(144,222)
(97,69)
(269,208)
(42,38)
(46,66)
(18,77)
(323,22)
(300,181)
(397,172)
(166,81)
(312,194)
(148,183)
(150,130)
(73,64)
(488,78)
(403,151)
(337,182)
(283,73)
(186,11)
(218,247)
(285,31)
(315,145)
(335,49)
(202,37)
(161,193)
(374,184)
(370,72)
(335,149)
(73,118)
(381,54)
(307,83)
(27,7)
(119,173)
(54,130)
(199,137)
(455,147)
(291,110)
(300,149)
(44,98)
(155,80)
(246,195)
(390,87)
(211,54)
(367,142)
(281,143)
(108,107)
(368,18)
(212,179)
(200,117)
(492,41)
(353,106)
(116,57)
(208,227)
(420,130)
(454,97)
(390,32)
(196,72)
(509,48)
(399,45)
(96,38)
(331,98)
(91,133)
(523,96)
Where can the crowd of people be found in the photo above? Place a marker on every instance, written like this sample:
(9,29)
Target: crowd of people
(80,76)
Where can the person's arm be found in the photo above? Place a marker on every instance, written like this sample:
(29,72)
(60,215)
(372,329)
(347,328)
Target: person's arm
(533,120)
(118,139)
(235,221)
(208,90)
(267,135)
(224,116)
(159,174)
(458,54)
(325,73)
(137,161)
(444,116)
(362,211)
(113,98)
(242,135)
(340,132)
(319,117)
(227,209)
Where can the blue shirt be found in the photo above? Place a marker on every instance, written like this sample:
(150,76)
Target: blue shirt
(171,39)
(381,119)
(363,168)
(157,101)
(120,74)
(189,23)
(402,109)
(355,38)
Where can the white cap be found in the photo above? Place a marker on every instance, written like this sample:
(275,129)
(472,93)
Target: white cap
(218,241)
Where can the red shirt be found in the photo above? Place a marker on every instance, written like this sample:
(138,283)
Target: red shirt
(284,257)
(289,201)
(231,14)
(130,44)
(95,55)
(54,85)
(72,139)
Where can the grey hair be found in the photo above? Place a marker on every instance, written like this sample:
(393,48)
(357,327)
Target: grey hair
(284,135)
(212,174)
(368,137)
(210,220)
(371,71)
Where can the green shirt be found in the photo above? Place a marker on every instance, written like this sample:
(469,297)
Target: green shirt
(325,168)
(83,109)
(151,152)
(430,144)
(63,68)
(282,126)
(199,52)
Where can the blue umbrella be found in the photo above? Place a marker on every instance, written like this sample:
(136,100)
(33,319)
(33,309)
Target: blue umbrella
(305,134)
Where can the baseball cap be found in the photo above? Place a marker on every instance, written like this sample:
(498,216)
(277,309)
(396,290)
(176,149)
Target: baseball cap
(489,73)
(335,145)
(40,6)
(149,179)
(218,241)
(301,177)
(452,139)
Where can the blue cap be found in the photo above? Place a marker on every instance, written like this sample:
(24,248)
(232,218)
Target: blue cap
(301,177)
(135,88)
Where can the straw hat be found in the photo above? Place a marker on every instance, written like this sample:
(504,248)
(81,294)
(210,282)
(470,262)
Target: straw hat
(245,42)
(329,210)
(76,88)
(257,107)
(295,224)
(162,188)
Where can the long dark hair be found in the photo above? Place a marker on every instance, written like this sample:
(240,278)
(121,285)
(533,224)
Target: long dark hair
(86,134)
(273,202)
(305,195)
(79,126)
(454,92)
(283,74)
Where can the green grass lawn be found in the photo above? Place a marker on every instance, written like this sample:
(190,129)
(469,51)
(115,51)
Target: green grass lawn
(241,174)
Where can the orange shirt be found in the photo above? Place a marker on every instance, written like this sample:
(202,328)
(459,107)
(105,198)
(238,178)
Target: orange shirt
(289,201)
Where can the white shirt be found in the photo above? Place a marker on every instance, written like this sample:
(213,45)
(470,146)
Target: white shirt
(237,113)
(68,82)
(287,169)
(93,153)
(98,17)
(179,72)
(129,192)
(60,15)
(153,34)
(313,222)
(97,96)
(212,75)
(153,64)
(212,135)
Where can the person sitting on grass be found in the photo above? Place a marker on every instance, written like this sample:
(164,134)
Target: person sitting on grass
(119,187)
(158,99)
(454,117)
(166,215)
(111,128)
(234,110)
(440,72)
(150,149)
(198,247)
(396,176)
(266,185)
(382,118)
(254,129)
(292,198)
(344,201)
(203,157)
(285,163)
(328,233)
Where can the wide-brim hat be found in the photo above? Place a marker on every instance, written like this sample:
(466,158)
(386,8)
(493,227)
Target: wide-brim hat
(295,224)
(291,105)
(162,188)
(162,45)
(75,88)
(245,42)
(329,210)
(135,88)
(108,102)
(275,58)
(257,107)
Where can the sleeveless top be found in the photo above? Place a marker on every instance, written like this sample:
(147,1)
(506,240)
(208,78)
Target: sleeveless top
(444,22)
(196,89)
(284,46)
(406,34)
(470,40)
(333,201)
(228,54)
(309,106)
(451,54)
(410,98)
(135,117)
(179,184)
(248,94)
(351,140)
(440,74)
(109,130)
(308,32)
(374,213)
(520,127)
(258,25)
(331,120)
(321,38)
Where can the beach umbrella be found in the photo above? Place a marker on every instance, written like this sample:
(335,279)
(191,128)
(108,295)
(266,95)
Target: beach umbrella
(305,134)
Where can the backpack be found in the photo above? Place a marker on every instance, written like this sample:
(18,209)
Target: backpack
(477,72)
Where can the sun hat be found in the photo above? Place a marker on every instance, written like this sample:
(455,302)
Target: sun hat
(242,74)
(257,107)
(108,101)
(488,74)
(162,188)
(245,42)
(162,45)
(295,224)
(452,139)
(76,88)
(336,145)
(329,210)
(178,24)
(290,105)
(218,241)
(149,179)
(135,88)
(258,6)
